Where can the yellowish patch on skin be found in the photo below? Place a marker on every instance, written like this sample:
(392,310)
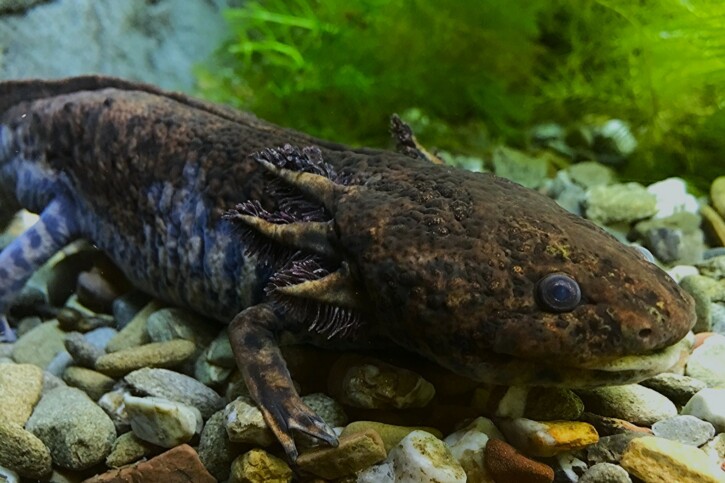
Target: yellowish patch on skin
(558,249)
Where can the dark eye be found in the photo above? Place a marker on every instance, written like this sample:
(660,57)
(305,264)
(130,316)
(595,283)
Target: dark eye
(558,292)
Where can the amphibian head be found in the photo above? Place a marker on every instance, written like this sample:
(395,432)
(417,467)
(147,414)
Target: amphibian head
(490,279)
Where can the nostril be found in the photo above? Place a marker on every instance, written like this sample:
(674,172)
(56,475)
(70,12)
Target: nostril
(644,333)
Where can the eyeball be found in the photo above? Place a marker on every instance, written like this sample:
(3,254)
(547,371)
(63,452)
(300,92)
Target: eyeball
(558,292)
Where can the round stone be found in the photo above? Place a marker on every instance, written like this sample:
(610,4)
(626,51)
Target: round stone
(685,429)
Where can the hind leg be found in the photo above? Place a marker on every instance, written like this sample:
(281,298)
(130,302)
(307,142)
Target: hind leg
(55,229)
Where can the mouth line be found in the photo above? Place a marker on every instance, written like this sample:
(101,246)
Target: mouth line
(619,371)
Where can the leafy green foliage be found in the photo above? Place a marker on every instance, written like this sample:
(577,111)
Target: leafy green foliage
(467,71)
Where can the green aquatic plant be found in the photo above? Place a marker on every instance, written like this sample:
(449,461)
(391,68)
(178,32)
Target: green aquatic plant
(475,71)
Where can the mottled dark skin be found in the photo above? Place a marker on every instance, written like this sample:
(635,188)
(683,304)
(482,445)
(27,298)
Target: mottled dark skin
(441,261)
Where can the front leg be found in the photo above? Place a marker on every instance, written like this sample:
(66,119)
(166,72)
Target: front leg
(253,340)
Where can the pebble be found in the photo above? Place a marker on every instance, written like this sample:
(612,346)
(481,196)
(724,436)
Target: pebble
(548,438)
(708,405)
(674,239)
(381,473)
(365,382)
(40,345)
(157,354)
(390,434)
(717,195)
(715,449)
(605,473)
(215,449)
(467,446)
(245,424)
(22,452)
(81,350)
(77,432)
(505,463)
(354,453)
(220,352)
(126,306)
(175,323)
(93,383)
(707,361)
(134,333)
(8,476)
(669,461)
(568,467)
(97,289)
(715,223)
(672,197)
(174,386)
(677,388)
(177,465)
(327,408)
(258,466)
(588,174)
(713,267)
(717,313)
(704,291)
(609,449)
(162,422)
(679,272)
(685,429)
(620,203)
(20,386)
(421,457)
(549,404)
(634,403)
(112,404)
(210,374)
(129,448)
(519,166)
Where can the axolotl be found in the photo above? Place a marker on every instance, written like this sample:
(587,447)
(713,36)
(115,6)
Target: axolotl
(284,236)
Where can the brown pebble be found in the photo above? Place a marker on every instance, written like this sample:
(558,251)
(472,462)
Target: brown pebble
(178,465)
(354,453)
(607,426)
(506,465)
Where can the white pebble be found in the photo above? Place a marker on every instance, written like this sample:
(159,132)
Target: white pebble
(708,405)
(245,424)
(162,422)
(382,473)
(678,272)
(8,476)
(672,197)
(420,457)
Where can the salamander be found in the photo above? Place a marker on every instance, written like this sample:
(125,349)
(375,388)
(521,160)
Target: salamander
(284,236)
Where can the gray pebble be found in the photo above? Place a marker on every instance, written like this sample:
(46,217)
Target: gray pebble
(60,363)
(126,306)
(707,361)
(620,202)
(717,320)
(83,352)
(77,432)
(676,387)
(177,387)
(174,323)
(634,403)
(40,345)
(216,452)
(605,473)
(685,429)
(713,252)
(609,449)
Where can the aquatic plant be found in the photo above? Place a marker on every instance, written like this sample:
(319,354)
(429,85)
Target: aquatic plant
(470,71)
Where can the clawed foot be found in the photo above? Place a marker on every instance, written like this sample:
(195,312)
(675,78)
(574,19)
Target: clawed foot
(7,334)
(286,413)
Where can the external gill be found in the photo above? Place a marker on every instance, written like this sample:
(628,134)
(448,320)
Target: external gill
(313,283)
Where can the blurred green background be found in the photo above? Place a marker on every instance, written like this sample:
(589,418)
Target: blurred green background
(475,73)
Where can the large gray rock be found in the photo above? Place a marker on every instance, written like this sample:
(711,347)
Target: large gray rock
(77,432)
(157,42)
